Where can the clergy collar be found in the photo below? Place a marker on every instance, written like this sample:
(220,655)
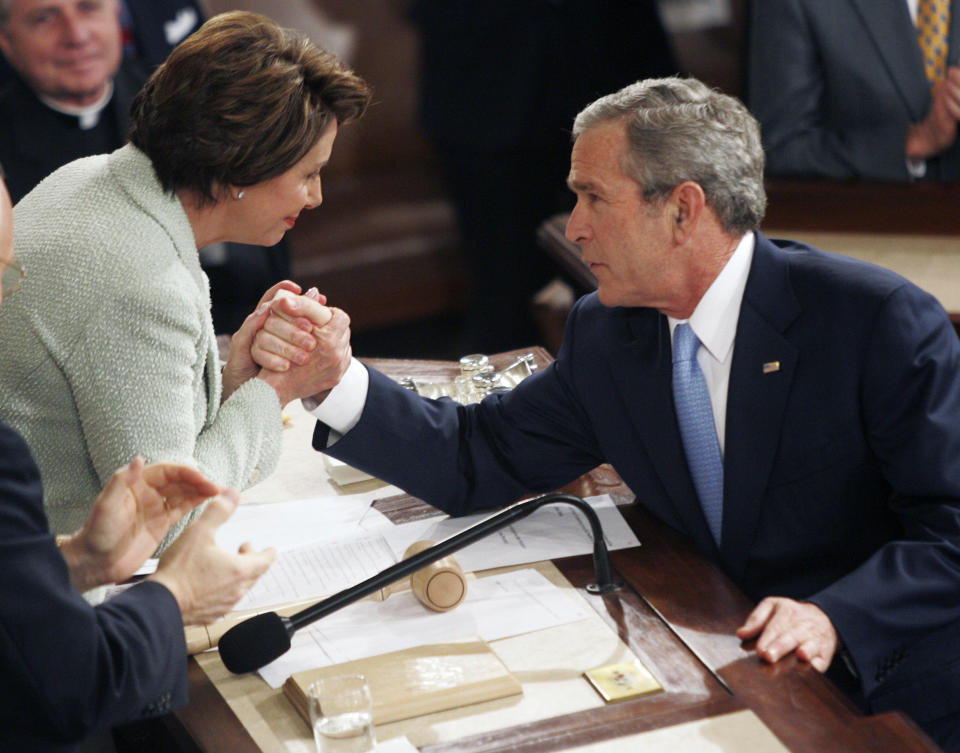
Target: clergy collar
(88,116)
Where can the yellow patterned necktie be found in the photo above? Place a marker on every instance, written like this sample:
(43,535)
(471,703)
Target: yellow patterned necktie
(933,28)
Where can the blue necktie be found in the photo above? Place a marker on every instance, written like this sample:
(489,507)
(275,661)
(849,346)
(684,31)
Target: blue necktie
(695,418)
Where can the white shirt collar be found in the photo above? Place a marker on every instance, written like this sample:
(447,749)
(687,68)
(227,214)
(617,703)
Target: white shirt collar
(912,6)
(714,320)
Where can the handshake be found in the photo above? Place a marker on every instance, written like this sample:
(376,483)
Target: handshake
(295,343)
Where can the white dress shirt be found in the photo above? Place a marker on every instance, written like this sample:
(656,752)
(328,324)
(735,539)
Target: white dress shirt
(916,167)
(714,322)
(342,409)
(912,6)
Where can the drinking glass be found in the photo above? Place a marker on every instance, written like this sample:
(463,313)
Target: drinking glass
(341,712)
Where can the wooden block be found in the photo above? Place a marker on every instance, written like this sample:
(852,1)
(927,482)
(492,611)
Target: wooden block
(419,680)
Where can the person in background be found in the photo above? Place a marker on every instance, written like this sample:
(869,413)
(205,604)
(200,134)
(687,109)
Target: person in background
(149,30)
(152,28)
(71,92)
(78,65)
(109,349)
(854,89)
(796,414)
(71,670)
(500,82)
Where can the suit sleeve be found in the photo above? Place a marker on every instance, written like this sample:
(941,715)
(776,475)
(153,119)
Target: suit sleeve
(69,668)
(907,592)
(793,75)
(460,458)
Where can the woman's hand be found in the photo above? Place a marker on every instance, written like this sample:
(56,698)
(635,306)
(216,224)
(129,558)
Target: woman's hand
(129,519)
(240,365)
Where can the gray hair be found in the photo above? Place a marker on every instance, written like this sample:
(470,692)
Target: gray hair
(679,129)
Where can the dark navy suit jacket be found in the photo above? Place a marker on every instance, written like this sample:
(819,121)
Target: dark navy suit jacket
(842,465)
(836,83)
(69,669)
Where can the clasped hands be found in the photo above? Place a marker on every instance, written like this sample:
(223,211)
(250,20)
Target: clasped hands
(296,343)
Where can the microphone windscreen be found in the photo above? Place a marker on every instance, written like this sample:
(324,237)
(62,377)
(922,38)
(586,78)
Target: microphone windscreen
(254,643)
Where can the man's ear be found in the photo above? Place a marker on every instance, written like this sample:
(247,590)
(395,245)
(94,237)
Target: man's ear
(687,202)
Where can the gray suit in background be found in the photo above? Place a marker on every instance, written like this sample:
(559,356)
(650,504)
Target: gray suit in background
(836,83)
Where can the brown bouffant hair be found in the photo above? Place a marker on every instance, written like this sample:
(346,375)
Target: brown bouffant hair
(240,101)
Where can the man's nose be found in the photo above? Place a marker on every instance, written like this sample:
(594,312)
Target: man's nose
(576,229)
(74,29)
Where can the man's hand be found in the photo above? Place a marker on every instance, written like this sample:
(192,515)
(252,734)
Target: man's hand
(129,519)
(938,130)
(786,626)
(240,365)
(205,580)
(292,368)
(290,334)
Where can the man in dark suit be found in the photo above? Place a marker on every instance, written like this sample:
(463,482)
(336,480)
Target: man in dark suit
(820,468)
(70,97)
(840,90)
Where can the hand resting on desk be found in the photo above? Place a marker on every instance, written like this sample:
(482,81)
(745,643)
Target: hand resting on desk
(785,626)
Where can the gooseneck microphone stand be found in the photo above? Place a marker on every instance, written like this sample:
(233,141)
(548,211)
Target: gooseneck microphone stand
(264,637)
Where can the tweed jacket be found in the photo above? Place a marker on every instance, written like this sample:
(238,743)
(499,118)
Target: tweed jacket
(108,349)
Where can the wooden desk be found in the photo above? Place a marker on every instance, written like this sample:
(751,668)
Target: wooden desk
(677,612)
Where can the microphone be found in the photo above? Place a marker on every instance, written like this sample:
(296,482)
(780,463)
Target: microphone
(261,639)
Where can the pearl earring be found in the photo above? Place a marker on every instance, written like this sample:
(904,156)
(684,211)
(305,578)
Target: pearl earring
(240,195)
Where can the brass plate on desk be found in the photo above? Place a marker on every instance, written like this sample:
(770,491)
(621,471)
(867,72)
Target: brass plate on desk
(617,682)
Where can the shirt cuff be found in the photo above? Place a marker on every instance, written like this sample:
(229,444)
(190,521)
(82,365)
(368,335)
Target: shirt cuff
(342,408)
(917,168)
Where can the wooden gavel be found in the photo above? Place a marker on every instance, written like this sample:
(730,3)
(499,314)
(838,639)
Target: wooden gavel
(439,586)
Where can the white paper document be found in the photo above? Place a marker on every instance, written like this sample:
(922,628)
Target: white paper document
(554,530)
(286,525)
(495,607)
(318,570)
(321,568)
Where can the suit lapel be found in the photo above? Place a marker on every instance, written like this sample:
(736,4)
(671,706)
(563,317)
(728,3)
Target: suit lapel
(642,370)
(761,376)
(889,25)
